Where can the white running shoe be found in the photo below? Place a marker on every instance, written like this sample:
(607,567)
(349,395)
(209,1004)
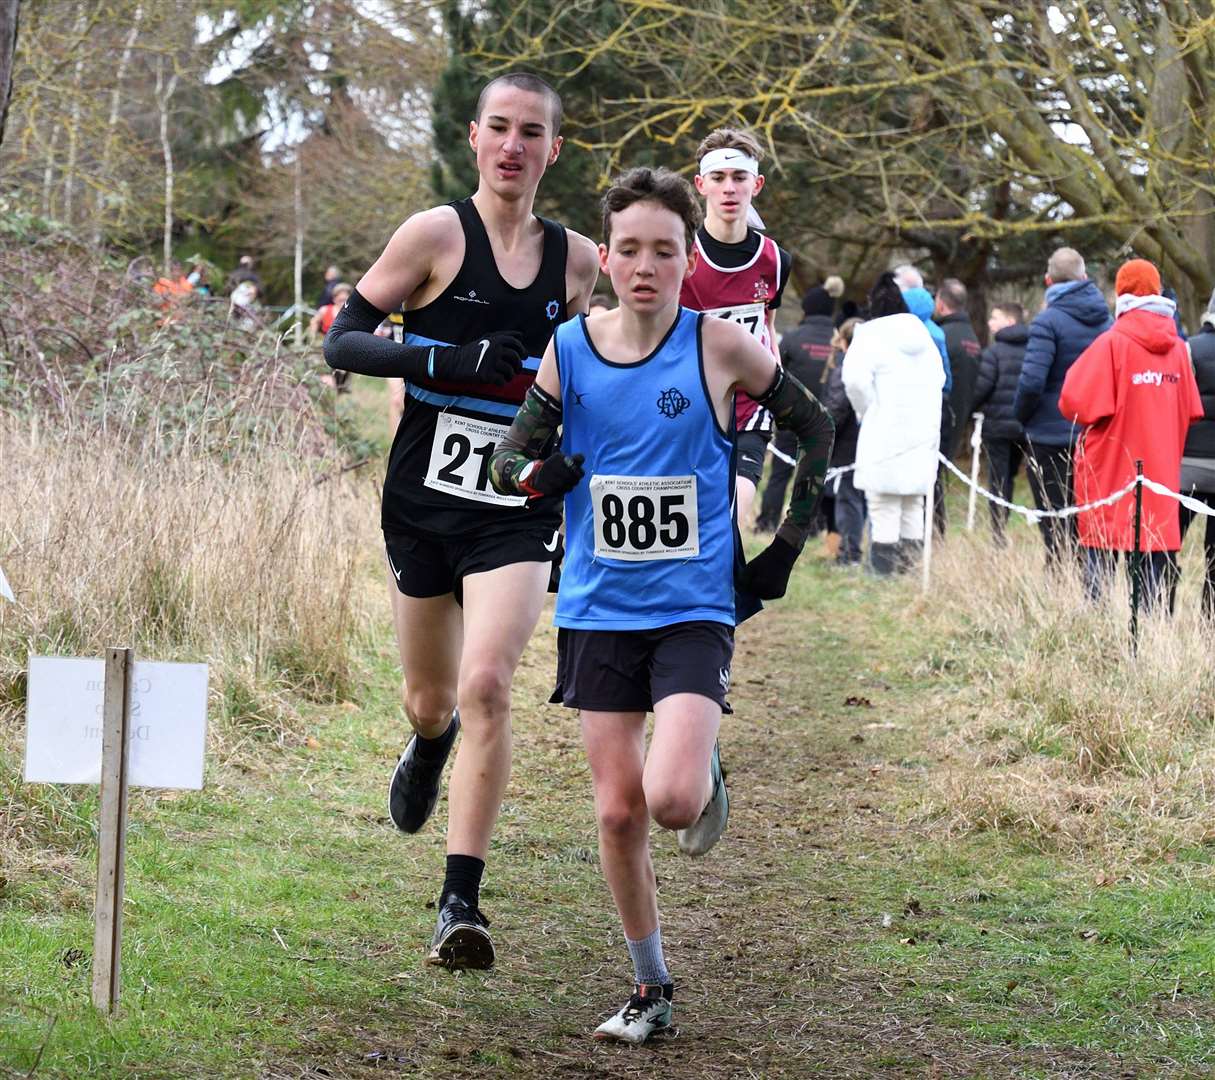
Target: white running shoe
(647,1012)
(700,836)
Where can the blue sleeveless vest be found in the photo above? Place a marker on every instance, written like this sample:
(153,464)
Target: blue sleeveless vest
(650,529)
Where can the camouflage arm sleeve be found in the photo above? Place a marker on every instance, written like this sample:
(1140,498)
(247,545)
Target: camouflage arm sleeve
(531,431)
(795,409)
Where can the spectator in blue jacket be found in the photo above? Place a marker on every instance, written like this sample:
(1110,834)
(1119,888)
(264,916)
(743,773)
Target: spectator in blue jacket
(920,303)
(1074,315)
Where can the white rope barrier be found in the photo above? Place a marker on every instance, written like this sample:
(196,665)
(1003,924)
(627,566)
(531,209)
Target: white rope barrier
(780,455)
(1031,514)
(1185,500)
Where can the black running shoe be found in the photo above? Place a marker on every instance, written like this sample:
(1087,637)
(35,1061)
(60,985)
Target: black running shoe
(415,784)
(461,939)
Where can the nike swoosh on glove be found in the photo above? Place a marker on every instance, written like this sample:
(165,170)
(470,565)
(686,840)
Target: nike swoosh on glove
(494,359)
(767,575)
(553,476)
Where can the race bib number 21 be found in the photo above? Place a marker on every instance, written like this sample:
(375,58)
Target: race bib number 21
(639,518)
(459,459)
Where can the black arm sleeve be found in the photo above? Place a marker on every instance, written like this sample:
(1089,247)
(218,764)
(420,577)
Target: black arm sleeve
(351,344)
(796,409)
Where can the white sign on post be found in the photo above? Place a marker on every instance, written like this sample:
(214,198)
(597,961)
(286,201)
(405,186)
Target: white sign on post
(114,722)
(167,722)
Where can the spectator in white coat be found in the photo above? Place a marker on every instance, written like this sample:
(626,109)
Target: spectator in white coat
(893,376)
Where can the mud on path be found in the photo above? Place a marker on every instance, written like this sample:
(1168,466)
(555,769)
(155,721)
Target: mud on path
(798,944)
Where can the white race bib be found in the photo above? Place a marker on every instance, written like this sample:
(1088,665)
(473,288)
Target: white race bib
(638,518)
(751,317)
(459,459)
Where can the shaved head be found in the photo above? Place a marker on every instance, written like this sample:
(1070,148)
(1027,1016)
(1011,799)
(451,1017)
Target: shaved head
(523,80)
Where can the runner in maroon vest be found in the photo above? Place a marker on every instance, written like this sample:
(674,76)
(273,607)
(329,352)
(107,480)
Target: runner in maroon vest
(740,275)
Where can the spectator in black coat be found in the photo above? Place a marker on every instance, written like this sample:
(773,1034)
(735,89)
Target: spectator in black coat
(1074,316)
(995,391)
(804,353)
(1198,457)
(850,508)
(963,348)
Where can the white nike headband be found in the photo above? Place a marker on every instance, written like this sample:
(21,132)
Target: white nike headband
(728,158)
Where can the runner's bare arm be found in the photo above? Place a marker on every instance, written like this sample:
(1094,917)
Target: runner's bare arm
(516,468)
(582,272)
(731,351)
(408,259)
(400,271)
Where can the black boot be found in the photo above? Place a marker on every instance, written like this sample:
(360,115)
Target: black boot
(883,559)
(911,552)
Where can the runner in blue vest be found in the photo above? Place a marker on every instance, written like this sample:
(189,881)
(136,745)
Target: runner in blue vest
(644,398)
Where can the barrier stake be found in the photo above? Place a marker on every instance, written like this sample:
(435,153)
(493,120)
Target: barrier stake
(1136,560)
(112,822)
(976,440)
(928,509)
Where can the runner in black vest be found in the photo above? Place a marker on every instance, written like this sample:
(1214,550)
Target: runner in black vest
(484,283)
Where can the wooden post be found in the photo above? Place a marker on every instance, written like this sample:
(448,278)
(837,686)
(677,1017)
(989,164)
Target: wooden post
(112,821)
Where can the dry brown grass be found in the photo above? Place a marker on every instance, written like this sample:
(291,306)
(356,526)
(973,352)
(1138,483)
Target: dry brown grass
(1074,740)
(244,561)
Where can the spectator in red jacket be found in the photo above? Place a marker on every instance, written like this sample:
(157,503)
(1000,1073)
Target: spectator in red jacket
(1134,393)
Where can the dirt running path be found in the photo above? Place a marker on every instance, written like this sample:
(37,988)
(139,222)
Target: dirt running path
(777,940)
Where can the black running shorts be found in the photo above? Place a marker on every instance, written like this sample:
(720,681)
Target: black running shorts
(750,448)
(629,670)
(426,565)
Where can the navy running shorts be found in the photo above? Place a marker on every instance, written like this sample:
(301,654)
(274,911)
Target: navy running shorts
(425,565)
(629,670)
(749,451)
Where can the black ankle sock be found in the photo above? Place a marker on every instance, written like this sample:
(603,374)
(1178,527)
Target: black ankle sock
(463,878)
(436,749)
(668,989)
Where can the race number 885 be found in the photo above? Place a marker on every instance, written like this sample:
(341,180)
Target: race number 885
(640,518)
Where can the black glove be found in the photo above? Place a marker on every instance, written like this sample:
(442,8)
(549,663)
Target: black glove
(767,575)
(494,359)
(553,476)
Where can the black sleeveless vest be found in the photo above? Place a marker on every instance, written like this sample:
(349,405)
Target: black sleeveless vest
(437,480)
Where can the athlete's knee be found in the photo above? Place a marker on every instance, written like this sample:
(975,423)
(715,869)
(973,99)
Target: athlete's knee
(485,689)
(427,706)
(675,805)
(621,819)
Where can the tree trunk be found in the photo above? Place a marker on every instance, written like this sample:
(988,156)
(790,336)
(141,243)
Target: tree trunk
(48,172)
(164,91)
(107,150)
(73,133)
(8,50)
(299,247)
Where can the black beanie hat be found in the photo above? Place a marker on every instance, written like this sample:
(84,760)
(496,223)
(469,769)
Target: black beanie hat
(818,301)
